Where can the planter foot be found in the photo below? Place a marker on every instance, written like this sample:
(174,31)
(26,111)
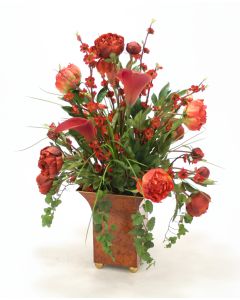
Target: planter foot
(99,265)
(133,269)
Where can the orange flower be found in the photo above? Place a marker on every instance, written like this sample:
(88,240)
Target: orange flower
(68,78)
(108,69)
(155,185)
(109,43)
(195,115)
(134,82)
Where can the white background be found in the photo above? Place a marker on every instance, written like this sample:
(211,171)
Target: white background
(193,40)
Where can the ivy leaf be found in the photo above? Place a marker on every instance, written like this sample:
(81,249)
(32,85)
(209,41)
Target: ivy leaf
(182,230)
(148,206)
(187,218)
(151,223)
(137,219)
(47,220)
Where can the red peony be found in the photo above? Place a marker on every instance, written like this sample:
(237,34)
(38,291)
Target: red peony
(133,48)
(134,82)
(44,183)
(195,115)
(68,78)
(109,43)
(198,204)
(155,185)
(50,161)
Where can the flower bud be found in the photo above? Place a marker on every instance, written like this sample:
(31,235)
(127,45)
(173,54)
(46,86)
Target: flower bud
(133,48)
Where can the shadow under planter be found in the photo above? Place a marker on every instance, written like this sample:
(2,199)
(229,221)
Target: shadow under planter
(123,247)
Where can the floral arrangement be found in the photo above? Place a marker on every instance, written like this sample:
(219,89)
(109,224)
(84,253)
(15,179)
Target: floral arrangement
(121,138)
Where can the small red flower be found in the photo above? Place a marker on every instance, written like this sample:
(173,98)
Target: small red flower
(148,133)
(152,73)
(170,172)
(90,82)
(183,174)
(75,109)
(69,96)
(84,48)
(155,122)
(143,67)
(99,121)
(93,106)
(194,88)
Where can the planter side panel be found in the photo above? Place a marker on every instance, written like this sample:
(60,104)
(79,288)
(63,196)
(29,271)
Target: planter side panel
(123,245)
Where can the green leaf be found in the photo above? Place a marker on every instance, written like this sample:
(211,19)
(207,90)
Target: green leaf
(137,219)
(113,227)
(164,92)
(149,244)
(182,230)
(187,218)
(189,187)
(55,203)
(151,223)
(97,227)
(154,99)
(148,206)
(47,220)
(101,95)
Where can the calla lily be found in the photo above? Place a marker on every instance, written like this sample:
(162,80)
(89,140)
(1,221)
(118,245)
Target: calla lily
(81,125)
(134,82)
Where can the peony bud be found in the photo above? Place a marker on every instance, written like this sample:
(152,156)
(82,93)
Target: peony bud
(133,48)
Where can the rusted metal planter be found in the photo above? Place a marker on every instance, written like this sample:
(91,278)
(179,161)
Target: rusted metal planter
(123,247)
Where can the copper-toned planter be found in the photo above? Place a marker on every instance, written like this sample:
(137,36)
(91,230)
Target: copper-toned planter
(123,246)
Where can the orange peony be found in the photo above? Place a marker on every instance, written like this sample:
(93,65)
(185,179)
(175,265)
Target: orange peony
(155,185)
(68,78)
(196,115)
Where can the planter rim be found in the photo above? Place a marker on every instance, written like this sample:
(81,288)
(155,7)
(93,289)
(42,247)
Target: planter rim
(115,195)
